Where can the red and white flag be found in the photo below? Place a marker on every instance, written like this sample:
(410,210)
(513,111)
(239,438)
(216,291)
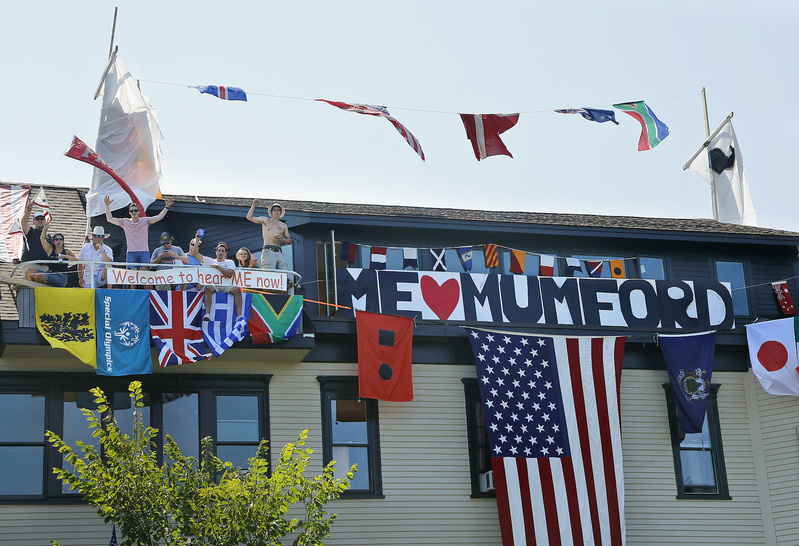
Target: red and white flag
(547,266)
(380,111)
(784,297)
(773,354)
(483,131)
(551,410)
(40,200)
(378,260)
(13,200)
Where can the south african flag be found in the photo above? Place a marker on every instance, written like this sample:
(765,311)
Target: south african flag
(274,318)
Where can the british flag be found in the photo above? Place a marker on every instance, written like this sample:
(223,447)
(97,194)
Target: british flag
(175,325)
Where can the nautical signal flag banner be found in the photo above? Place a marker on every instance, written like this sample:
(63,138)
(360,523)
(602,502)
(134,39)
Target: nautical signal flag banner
(65,317)
(223,92)
(483,131)
(689,363)
(772,352)
(384,356)
(122,320)
(274,318)
(491,255)
(653,131)
(547,265)
(617,269)
(784,297)
(551,409)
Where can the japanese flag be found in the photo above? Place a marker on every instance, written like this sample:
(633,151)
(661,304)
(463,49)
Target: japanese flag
(773,353)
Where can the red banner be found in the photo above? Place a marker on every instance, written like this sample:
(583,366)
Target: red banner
(384,356)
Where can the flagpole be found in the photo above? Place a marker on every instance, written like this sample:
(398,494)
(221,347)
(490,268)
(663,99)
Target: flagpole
(114,28)
(707,122)
(710,137)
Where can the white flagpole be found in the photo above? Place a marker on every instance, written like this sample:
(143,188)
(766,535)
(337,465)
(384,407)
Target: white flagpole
(707,142)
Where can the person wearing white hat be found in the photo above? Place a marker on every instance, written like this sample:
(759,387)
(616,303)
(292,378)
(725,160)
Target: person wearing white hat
(275,233)
(93,276)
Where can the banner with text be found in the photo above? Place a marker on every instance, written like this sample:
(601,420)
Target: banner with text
(267,280)
(625,303)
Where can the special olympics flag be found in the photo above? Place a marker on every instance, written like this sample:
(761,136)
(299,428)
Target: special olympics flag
(123,332)
(175,318)
(773,353)
(552,414)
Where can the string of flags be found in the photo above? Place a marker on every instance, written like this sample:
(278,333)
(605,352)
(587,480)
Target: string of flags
(484,130)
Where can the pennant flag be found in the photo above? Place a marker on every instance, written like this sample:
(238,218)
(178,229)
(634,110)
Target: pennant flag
(592,114)
(274,318)
(483,131)
(122,321)
(13,200)
(551,410)
(378,257)
(382,112)
(772,352)
(573,265)
(349,252)
(594,268)
(65,317)
(722,166)
(491,255)
(222,92)
(617,270)
(410,258)
(689,363)
(438,259)
(40,200)
(384,356)
(175,324)
(129,140)
(653,131)
(465,253)
(517,259)
(224,329)
(80,151)
(547,265)
(784,297)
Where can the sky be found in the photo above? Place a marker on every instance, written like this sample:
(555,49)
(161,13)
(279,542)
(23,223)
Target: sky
(426,61)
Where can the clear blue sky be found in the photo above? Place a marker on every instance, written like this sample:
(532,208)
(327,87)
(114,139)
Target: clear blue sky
(425,61)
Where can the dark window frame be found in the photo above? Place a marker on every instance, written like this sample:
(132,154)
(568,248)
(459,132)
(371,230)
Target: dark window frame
(750,312)
(716,450)
(54,385)
(472,399)
(346,388)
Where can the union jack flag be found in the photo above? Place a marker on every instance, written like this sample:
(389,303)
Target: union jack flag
(381,111)
(175,326)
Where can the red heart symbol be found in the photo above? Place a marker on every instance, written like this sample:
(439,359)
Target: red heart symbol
(441,299)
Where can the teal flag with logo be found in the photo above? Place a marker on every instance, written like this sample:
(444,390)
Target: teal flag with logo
(122,318)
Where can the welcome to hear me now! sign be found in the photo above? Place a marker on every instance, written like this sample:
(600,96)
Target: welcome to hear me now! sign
(268,280)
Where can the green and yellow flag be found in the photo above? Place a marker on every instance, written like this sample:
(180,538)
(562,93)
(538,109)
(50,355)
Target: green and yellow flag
(274,318)
(65,317)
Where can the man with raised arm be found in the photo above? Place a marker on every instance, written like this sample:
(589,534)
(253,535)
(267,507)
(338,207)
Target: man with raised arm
(275,233)
(224,266)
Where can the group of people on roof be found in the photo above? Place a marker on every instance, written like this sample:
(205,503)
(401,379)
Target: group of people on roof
(42,246)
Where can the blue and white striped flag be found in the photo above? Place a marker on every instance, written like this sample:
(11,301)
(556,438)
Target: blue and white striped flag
(223,330)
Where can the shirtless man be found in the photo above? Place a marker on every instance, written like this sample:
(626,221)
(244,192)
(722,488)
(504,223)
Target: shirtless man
(276,234)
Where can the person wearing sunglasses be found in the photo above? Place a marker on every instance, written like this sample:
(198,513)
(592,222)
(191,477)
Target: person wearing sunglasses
(136,230)
(56,275)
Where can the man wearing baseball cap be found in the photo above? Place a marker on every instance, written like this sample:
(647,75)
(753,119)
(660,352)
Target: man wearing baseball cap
(167,254)
(275,233)
(33,248)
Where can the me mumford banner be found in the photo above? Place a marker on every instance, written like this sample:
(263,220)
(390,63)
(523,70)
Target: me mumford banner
(478,297)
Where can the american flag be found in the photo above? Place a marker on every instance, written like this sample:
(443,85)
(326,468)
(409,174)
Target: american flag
(113,536)
(551,409)
(175,326)
(381,111)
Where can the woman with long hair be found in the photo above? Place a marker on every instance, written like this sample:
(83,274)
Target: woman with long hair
(244,258)
(57,274)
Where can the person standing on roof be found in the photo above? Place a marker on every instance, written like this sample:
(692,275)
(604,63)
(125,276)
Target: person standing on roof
(33,247)
(136,230)
(275,233)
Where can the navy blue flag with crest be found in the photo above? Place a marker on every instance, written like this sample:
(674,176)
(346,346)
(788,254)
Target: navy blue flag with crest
(689,363)
(591,114)
(122,318)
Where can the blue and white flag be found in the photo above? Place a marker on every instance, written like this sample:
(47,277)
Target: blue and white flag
(223,92)
(689,363)
(122,319)
(573,265)
(410,258)
(592,114)
(439,263)
(466,257)
(223,330)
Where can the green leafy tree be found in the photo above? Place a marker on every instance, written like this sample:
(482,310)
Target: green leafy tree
(187,501)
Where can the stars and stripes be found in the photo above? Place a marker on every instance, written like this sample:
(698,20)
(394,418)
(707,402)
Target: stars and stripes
(175,319)
(551,410)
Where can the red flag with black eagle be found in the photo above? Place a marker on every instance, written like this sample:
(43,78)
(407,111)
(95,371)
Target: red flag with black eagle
(384,356)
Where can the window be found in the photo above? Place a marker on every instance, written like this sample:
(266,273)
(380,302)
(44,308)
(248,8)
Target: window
(651,268)
(733,273)
(479,449)
(229,409)
(351,434)
(698,458)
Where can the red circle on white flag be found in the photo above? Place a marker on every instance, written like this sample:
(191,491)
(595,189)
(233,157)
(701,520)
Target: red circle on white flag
(772,355)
